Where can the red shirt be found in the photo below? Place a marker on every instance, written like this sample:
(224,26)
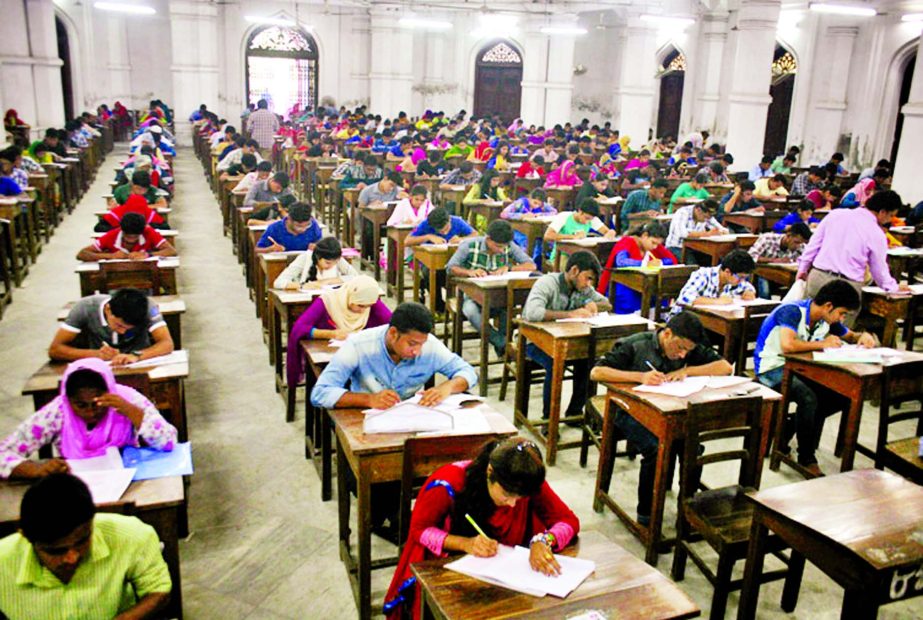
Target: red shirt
(134,204)
(112,241)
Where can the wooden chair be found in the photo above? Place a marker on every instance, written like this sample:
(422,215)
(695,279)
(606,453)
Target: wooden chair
(594,412)
(144,275)
(753,321)
(517,291)
(900,383)
(722,516)
(423,456)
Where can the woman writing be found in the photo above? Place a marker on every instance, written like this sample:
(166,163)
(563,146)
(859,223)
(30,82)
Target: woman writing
(335,315)
(90,414)
(641,247)
(504,491)
(563,176)
(322,266)
(487,189)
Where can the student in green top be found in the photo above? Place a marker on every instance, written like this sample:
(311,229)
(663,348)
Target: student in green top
(141,185)
(577,224)
(693,189)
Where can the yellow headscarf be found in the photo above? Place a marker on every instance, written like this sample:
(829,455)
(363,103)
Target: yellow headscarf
(362,290)
(625,141)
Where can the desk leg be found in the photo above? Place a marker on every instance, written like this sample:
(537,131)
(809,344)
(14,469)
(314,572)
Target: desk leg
(646,302)
(485,330)
(458,324)
(775,459)
(399,271)
(606,458)
(521,394)
(661,474)
(851,434)
(165,522)
(890,331)
(859,604)
(364,559)
(416,280)
(325,431)
(432,290)
(753,570)
(554,416)
(376,248)
(343,503)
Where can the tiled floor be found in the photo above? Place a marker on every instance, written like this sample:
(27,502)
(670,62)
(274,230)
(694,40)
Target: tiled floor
(262,544)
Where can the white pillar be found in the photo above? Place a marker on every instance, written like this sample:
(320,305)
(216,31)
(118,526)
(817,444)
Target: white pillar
(708,68)
(118,60)
(390,74)
(635,92)
(830,110)
(534,74)
(751,74)
(548,73)
(194,33)
(46,66)
(907,178)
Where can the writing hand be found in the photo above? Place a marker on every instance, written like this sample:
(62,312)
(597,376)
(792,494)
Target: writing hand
(482,547)
(724,300)
(610,234)
(118,255)
(677,375)
(340,334)
(477,273)
(592,307)
(122,359)
(654,262)
(653,377)
(579,234)
(292,286)
(435,395)
(137,255)
(384,399)
(832,342)
(501,271)
(581,313)
(542,560)
(276,247)
(866,340)
(748,295)
(53,466)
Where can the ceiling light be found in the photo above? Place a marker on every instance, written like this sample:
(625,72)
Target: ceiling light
(912,17)
(136,9)
(425,24)
(270,21)
(565,30)
(843,9)
(668,22)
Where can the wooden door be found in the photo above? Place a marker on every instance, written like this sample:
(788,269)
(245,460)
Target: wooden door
(498,91)
(902,101)
(778,115)
(671,104)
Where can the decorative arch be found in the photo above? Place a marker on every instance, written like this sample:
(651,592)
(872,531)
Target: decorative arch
(672,73)
(282,66)
(895,95)
(498,80)
(782,88)
(71,68)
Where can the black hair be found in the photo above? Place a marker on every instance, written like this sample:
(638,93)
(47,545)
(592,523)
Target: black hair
(466,167)
(659,184)
(286,200)
(141,178)
(747,186)
(819,172)
(486,191)
(130,305)
(281,178)
(800,229)
(837,157)
(500,231)
(584,261)
(884,163)
(779,178)
(248,161)
(738,261)
(539,194)
(84,379)
(412,316)
(396,178)
(651,229)
(262,104)
(688,326)
(264,166)
(437,218)
(419,190)
(881,174)
(55,506)
(434,156)
(252,144)
(887,200)
(230,129)
(839,293)
(133,223)
(539,159)
(51,132)
(327,248)
(588,206)
(767,159)
(806,205)
(240,141)
(516,465)
(299,212)
(708,205)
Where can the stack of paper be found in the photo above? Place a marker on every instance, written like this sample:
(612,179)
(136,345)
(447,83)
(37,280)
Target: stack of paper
(589,241)
(176,357)
(605,319)
(105,475)
(452,415)
(854,354)
(510,568)
(509,275)
(690,385)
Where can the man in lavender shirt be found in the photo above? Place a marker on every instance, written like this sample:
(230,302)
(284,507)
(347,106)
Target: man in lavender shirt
(846,243)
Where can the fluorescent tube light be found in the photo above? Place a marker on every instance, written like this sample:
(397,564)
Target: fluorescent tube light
(565,30)
(844,9)
(136,9)
(912,17)
(425,24)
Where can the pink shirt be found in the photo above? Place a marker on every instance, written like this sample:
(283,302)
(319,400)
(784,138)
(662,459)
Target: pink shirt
(854,242)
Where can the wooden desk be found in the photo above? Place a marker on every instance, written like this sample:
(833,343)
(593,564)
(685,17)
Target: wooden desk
(610,211)
(561,198)
(6,296)
(16,239)
(782,274)
(317,430)
(396,236)
(284,309)
(271,265)
(488,294)
(756,223)
(346,224)
(716,247)
(564,342)
(172,236)
(453,194)
(665,417)
(622,586)
(903,262)
(857,382)
(905,458)
(487,209)
(654,283)
(372,459)
(889,307)
(533,228)
(861,528)
(376,216)
(434,258)
(730,324)
(171,307)
(167,389)
(599,246)
(91,276)
(158,502)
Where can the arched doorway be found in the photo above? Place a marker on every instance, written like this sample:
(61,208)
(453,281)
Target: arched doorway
(498,81)
(901,102)
(672,77)
(282,68)
(64,53)
(784,67)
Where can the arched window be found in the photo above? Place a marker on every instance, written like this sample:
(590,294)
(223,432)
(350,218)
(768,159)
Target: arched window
(784,67)
(282,68)
(672,77)
(498,81)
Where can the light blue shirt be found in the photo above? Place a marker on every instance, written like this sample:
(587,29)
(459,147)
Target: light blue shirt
(363,365)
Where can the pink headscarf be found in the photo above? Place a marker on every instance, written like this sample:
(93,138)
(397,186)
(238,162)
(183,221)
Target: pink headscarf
(864,190)
(562,175)
(114,429)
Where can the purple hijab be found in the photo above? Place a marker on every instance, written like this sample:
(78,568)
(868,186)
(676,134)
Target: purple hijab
(114,429)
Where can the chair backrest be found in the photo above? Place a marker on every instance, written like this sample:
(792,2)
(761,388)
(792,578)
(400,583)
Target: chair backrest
(711,420)
(599,336)
(673,279)
(517,291)
(423,456)
(139,381)
(753,321)
(900,383)
(144,275)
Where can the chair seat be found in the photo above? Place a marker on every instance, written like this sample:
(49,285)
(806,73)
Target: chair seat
(723,516)
(597,405)
(451,305)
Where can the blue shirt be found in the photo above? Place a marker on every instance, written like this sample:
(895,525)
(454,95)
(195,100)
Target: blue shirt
(9,187)
(795,316)
(458,228)
(363,365)
(291,243)
(791,218)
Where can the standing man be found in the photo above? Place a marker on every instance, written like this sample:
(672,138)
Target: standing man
(263,126)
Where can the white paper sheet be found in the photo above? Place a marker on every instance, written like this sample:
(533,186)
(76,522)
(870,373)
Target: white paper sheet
(510,568)
(604,319)
(177,357)
(589,241)
(106,486)
(110,460)
(691,385)
(407,418)
(509,275)
(915,289)
(853,354)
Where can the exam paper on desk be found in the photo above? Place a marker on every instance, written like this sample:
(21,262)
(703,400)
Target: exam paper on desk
(106,476)
(691,385)
(410,417)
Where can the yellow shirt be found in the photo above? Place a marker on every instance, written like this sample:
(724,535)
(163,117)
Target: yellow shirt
(123,565)
(762,189)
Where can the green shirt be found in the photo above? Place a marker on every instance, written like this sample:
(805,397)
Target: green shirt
(124,565)
(779,167)
(638,201)
(122,192)
(685,191)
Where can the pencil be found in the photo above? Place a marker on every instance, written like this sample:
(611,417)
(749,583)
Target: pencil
(476,526)
(649,365)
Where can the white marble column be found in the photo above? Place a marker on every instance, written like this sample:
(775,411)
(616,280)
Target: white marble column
(751,74)
(548,73)
(46,66)
(194,62)
(907,178)
(634,94)
(708,67)
(118,60)
(830,109)
(390,72)
(534,74)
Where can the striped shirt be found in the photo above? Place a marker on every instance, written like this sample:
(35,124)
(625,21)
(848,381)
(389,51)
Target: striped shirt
(683,223)
(705,282)
(124,565)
